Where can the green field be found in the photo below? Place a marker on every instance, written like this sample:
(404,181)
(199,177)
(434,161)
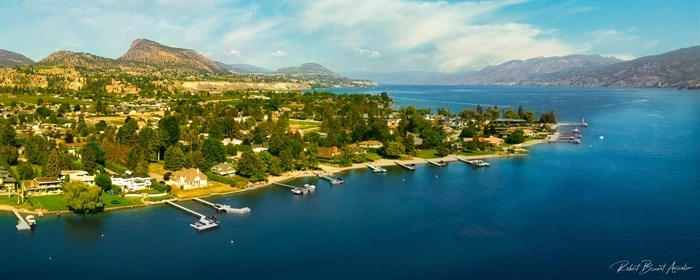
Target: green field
(303,124)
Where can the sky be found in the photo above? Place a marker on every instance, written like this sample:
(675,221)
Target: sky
(345,36)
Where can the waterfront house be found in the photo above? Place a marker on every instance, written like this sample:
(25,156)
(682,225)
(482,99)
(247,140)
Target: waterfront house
(131,182)
(328,153)
(189,178)
(77,175)
(42,186)
(224,169)
(370,144)
(7,182)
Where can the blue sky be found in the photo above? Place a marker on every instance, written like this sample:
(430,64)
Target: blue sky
(378,36)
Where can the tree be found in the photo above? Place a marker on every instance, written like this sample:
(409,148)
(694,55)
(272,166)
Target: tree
(127,133)
(252,166)
(103,181)
(9,154)
(213,151)
(25,170)
(468,132)
(548,117)
(174,159)
(82,198)
(394,149)
(510,114)
(92,156)
(169,130)
(198,160)
(7,135)
(516,137)
(53,164)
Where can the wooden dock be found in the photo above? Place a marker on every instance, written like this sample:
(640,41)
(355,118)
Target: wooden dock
(411,167)
(376,169)
(224,208)
(437,163)
(332,180)
(306,189)
(202,224)
(22,224)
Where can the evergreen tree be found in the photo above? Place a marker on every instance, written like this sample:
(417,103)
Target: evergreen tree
(53,164)
(7,135)
(213,151)
(25,170)
(127,133)
(174,159)
(92,156)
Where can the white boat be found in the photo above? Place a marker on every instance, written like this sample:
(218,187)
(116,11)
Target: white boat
(478,163)
(297,191)
(601,137)
(310,187)
(575,130)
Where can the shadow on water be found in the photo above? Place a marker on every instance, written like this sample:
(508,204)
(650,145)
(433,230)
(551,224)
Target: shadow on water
(83,227)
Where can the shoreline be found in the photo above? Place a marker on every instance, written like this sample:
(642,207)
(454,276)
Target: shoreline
(324,169)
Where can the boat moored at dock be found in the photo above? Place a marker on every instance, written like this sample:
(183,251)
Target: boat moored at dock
(376,169)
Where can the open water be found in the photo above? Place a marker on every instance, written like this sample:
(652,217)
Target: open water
(563,212)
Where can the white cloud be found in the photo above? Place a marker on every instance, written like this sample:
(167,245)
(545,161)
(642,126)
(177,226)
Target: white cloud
(370,53)
(279,53)
(232,52)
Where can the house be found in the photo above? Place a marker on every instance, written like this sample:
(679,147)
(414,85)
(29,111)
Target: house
(7,182)
(131,182)
(189,178)
(42,186)
(355,149)
(328,153)
(77,175)
(223,169)
(370,144)
(493,141)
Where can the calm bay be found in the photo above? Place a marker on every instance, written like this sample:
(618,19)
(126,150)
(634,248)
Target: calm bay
(563,212)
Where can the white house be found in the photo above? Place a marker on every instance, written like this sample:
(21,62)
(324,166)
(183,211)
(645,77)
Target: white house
(77,175)
(189,178)
(131,182)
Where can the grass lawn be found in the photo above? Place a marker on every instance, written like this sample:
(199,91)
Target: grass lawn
(477,153)
(214,187)
(372,156)
(430,153)
(49,202)
(159,198)
(12,200)
(123,201)
(303,124)
(157,167)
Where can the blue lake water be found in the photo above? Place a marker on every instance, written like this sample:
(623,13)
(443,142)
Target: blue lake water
(563,212)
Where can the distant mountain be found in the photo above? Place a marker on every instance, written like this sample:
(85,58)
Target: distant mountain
(398,78)
(307,69)
(78,59)
(537,71)
(243,68)
(679,69)
(160,56)
(9,59)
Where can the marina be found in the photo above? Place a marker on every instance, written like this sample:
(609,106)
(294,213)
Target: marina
(203,223)
(376,169)
(437,163)
(306,189)
(224,208)
(333,181)
(411,167)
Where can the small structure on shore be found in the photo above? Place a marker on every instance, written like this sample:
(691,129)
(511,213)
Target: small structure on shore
(441,163)
(411,166)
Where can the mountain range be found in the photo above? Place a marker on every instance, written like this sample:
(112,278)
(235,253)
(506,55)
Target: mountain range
(679,69)
(675,69)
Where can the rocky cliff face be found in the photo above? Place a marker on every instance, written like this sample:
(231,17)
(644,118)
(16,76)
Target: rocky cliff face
(160,56)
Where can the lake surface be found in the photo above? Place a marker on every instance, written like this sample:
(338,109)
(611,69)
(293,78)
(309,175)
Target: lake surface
(563,212)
